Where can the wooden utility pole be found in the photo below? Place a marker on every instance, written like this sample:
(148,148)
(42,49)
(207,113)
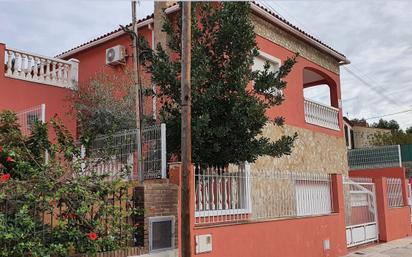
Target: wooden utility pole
(136,75)
(186,139)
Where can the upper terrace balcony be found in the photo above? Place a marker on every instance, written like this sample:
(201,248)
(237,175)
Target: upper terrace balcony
(323,112)
(379,157)
(36,68)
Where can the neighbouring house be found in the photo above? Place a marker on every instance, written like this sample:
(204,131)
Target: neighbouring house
(360,135)
(37,87)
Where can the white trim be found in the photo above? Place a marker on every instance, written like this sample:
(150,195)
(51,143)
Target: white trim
(216,213)
(43,112)
(102,40)
(173,8)
(270,57)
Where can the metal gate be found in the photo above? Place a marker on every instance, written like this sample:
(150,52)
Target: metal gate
(361,211)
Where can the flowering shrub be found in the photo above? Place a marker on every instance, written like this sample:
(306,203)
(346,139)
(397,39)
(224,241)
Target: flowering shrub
(50,205)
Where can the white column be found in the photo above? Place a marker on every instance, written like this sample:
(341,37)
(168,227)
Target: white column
(73,73)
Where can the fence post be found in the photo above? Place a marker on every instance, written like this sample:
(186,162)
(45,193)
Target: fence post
(175,178)
(338,202)
(2,57)
(382,206)
(74,72)
(400,155)
(404,189)
(43,112)
(163,149)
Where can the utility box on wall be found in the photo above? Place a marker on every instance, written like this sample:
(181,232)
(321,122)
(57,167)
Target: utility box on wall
(203,243)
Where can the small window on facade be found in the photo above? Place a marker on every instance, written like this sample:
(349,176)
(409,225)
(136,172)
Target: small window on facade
(346,135)
(161,233)
(31,119)
(260,61)
(352,139)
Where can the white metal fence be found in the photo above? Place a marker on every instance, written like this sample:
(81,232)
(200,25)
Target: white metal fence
(321,115)
(394,192)
(224,195)
(27,118)
(375,157)
(116,155)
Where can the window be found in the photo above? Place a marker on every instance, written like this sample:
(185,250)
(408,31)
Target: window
(260,61)
(161,233)
(313,197)
(31,119)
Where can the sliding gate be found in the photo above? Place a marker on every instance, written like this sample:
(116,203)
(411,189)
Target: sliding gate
(361,213)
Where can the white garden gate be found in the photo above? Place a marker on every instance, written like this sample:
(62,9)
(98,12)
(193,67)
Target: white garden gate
(361,211)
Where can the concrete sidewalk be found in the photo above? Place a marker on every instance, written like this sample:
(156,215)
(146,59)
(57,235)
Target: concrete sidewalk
(397,248)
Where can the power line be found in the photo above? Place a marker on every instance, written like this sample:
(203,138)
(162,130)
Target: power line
(379,92)
(364,78)
(389,114)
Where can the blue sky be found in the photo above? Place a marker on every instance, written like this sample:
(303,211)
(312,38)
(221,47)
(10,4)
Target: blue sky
(374,34)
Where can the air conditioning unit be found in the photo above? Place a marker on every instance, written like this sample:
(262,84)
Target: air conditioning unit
(116,55)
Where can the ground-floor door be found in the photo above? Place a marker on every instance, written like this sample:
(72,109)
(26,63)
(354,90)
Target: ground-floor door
(361,211)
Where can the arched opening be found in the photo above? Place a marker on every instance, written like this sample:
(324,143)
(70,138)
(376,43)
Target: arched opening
(319,93)
(321,99)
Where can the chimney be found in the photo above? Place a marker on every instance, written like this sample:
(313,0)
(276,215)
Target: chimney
(159,16)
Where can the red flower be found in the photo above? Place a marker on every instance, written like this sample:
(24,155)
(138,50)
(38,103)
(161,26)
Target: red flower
(9,159)
(1,148)
(71,215)
(92,236)
(5,177)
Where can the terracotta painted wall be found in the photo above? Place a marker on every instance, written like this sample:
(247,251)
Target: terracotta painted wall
(18,95)
(303,237)
(93,61)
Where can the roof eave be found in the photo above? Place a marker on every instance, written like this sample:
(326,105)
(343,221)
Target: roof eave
(341,58)
(101,40)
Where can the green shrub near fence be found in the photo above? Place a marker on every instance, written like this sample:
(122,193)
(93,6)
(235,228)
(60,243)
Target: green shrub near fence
(51,206)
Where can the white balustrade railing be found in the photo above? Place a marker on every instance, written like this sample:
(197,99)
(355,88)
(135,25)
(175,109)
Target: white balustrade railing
(321,115)
(36,68)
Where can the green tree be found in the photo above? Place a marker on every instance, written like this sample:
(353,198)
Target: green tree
(384,124)
(228,114)
(105,104)
(359,122)
(393,138)
(409,130)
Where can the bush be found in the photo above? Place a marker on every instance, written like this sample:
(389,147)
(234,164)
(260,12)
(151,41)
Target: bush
(52,204)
